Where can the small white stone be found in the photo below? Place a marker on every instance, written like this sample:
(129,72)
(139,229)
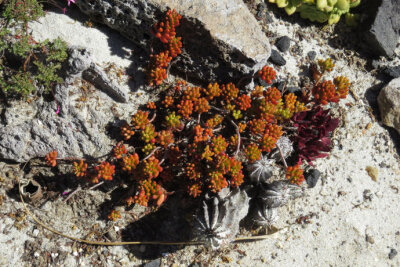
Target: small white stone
(75,253)
(116,228)
(36,254)
(35,232)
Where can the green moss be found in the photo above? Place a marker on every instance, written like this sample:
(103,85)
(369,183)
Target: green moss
(26,64)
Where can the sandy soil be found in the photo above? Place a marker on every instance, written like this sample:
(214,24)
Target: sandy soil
(353,219)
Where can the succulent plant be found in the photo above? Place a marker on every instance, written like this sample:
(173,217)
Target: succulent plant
(286,147)
(261,170)
(263,215)
(217,221)
(318,10)
(278,193)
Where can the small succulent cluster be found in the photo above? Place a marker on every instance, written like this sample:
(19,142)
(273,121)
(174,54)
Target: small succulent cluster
(165,32)
(328,91)
(320,10)
(51,158)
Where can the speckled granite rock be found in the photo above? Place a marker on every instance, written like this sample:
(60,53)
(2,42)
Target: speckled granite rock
(221,39)
(389,104)
(74,130)
(384,33)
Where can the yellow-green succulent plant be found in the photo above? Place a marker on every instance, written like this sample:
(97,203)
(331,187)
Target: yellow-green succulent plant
(320,10)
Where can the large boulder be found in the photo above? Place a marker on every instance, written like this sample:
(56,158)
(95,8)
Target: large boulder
(384,32)
(389,104)
(222,41)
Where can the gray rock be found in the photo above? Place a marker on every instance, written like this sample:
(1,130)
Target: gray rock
(311,55)
(262,10)
(99,79)
(392,254)
(383,35)
(221,39)
(283,43)
(312,177)
(154,263)
(277,58)
(389,104)
(80,63)
(393,72)
(32,130)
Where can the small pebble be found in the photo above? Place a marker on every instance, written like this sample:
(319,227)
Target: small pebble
(262,10)
(268,18)
(112,235)
(367,194)
(372,172)
(312,177)
(277,58)
(35,232)
(369,239)
(376,64)
(393,72)
(283,44)
(311,55)
(54,255)
(154,263)
(392,253)
(262,6)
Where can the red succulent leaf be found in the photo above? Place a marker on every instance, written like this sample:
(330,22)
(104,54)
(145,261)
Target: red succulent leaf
(314,128)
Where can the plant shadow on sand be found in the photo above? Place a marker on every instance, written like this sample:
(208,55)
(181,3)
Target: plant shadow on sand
(168,224)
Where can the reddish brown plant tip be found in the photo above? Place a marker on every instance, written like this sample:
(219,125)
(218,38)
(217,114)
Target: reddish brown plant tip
(295,174)
(149,190)
(165,32)
(80,169)
(140,119)
(252,152)
(126,131)
(151,105)
(105,170)
(130,162)
(51,158)
(119,150)
(114,215)
(151,168)
(267,74)
(195,190)
(325,92)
